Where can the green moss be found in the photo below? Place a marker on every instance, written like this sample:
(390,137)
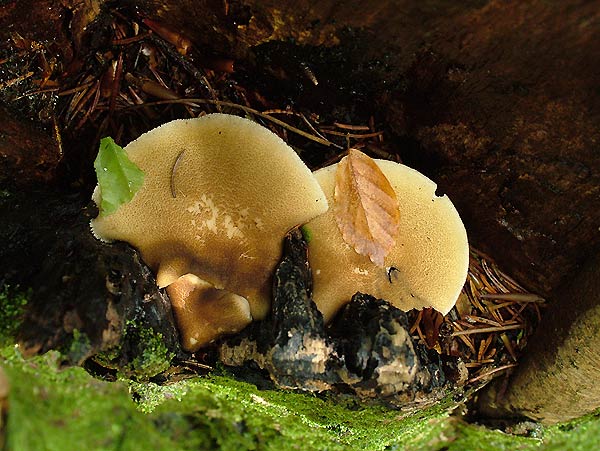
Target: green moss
(149,395)
(12,306)
(154,358)
(230,415)
(149,357)
(62,410)
(107,358)
(577,435)
(474,437)
(57,410)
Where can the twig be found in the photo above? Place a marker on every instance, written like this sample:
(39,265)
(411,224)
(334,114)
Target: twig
(76,89)
(116,84)
(416,323)
(469,343)
(294,113)
(15,81)
(479,319)
(489,373)
(313,129)
(508,345)
(39,91)
(515,297)
(351,127)
(483,330)
(82,99)
(89,111)
(352,135)
(306,135)
(130,40)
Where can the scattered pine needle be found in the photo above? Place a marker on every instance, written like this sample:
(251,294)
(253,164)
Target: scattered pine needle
(485,330)
(489,373)
(496,317)
(246,109)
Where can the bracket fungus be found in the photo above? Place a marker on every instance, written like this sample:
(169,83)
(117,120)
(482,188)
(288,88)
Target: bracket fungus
(427,266)
(219,194)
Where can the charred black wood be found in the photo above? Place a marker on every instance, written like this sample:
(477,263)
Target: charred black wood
(291,343)
(380,358)
(367,350)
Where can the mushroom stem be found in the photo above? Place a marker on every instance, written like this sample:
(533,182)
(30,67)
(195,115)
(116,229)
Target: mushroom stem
(204,313)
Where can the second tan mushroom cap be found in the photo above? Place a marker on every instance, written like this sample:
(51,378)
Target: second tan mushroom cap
(219,194)
(427,266)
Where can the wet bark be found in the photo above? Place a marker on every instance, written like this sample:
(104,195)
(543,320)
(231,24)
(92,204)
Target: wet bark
(28,154)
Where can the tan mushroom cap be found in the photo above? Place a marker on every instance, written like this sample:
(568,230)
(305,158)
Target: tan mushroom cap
(430,257)
(238,189)
(204,313)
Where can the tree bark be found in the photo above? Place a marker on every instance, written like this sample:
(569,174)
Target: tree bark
(28,154)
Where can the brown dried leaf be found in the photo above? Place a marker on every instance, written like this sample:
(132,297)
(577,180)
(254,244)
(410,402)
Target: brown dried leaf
(365,206)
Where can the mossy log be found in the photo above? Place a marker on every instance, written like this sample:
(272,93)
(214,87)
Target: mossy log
(558,377)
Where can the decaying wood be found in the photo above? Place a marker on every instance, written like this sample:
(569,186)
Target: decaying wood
(28,154)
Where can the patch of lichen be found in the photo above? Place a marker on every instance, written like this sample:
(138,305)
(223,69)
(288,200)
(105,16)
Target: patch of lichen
(13,301)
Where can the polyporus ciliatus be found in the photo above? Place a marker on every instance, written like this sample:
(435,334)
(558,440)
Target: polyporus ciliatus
(427,266)
(219,194)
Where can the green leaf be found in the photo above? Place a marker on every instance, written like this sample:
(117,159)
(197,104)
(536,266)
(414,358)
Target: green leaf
(118,177)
